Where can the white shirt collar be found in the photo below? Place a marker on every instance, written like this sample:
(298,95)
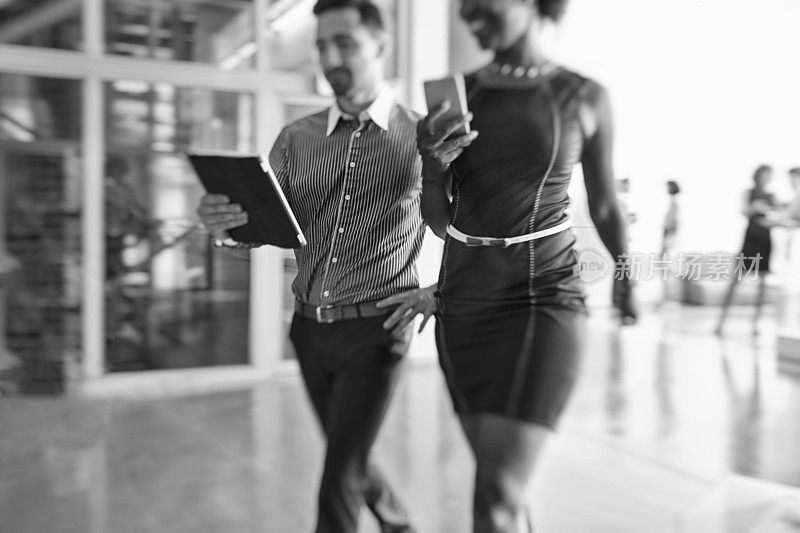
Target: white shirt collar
(379,111)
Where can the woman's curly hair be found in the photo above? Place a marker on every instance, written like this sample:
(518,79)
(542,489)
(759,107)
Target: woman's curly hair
(552,9)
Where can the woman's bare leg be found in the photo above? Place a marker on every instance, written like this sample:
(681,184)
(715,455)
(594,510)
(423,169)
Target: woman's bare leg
(506,451)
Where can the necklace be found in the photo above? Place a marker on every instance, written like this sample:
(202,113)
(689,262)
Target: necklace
(505,69)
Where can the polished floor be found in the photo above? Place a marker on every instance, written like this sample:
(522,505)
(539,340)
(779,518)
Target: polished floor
(670,430)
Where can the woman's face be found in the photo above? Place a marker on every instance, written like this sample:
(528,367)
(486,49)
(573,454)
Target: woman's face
(672,189)
(763,178)
(498,24)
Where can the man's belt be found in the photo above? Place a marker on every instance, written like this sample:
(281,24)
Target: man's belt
(504,242)
(327,314)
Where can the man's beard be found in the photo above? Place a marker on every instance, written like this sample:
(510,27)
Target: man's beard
(340,79)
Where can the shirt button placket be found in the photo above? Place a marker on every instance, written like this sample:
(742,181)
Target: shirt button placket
(356,134)
(351,165)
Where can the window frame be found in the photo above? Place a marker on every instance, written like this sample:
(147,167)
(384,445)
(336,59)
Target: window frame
(272,90)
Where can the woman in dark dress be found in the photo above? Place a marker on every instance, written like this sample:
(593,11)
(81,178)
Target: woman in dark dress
(511,312)
(757,246)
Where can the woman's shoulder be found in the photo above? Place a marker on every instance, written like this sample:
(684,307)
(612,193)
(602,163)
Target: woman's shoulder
(570,83)
(570,75)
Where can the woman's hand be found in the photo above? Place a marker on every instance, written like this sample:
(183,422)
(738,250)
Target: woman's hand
(437,151)
(761,207)
(410,304)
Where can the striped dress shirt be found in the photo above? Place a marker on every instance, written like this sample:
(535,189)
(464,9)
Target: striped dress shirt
(354,185)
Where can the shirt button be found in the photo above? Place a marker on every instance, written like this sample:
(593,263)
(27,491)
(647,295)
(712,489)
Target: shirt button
(346,196)
(358,134)
(326,294)
(341,230)
(352,164)
(334,260)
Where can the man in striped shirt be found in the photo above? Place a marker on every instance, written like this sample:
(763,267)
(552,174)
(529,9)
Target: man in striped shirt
(352,175)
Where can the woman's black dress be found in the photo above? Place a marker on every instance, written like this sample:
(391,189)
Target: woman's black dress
(511,321)
(757,237)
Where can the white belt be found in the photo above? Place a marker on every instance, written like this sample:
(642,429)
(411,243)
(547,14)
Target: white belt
(499,242)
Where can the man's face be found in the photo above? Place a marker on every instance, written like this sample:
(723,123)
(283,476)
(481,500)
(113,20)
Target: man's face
(351,54)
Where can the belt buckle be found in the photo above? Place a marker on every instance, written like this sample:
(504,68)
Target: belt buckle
(320,313)
(484,241)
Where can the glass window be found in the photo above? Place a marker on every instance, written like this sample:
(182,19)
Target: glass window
(49,24)
(172,300)
(40,211)
(221,32)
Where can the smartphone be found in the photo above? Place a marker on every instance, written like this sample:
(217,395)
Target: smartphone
(451,88)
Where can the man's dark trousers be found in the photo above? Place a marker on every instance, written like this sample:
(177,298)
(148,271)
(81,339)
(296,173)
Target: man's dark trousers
(351,369)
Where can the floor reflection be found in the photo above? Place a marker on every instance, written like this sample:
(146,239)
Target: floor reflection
(745,397)
(663,384)
(664,405)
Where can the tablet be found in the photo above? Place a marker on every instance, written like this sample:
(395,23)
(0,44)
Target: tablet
(451,88)
(249,181)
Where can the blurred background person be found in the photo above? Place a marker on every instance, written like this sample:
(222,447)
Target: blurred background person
(759,206)
(623,197)
(792,218)
(790,238)
(794,204)
(669,235)
(671,220)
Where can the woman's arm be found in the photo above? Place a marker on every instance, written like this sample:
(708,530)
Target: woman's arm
(671,220)
(436,200)
(747,208)
(438,154)
(598,171)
